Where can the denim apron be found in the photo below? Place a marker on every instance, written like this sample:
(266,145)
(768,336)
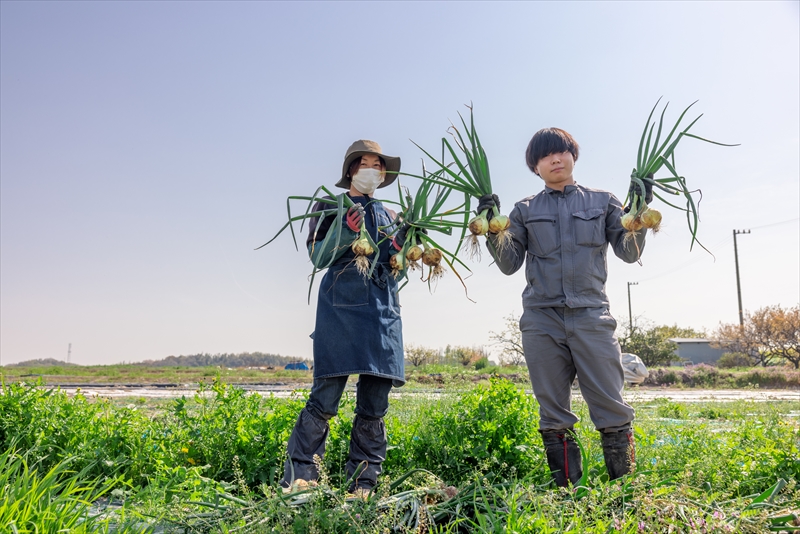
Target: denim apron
(358,328)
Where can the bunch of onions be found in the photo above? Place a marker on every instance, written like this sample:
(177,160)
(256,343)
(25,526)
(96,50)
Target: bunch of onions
(473,179)
(646,217)
(423,214)
(654,154)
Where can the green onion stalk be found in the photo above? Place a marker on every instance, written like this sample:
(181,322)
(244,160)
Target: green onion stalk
(653,155)
(474,181)
(423,218)
(363,246)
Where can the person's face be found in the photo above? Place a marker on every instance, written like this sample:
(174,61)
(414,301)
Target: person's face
(556,169)
(370,161)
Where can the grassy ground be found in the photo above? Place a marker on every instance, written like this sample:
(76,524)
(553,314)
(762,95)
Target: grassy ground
(467,461)
(703,376)
(137,374)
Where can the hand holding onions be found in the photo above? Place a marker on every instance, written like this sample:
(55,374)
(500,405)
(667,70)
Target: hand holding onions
(655,153)
(638,213)
(469,174)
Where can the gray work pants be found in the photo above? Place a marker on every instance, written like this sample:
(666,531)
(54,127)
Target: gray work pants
(562,342)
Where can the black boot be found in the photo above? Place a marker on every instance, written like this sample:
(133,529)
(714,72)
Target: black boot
(563,456)
(367,452)
(619,452)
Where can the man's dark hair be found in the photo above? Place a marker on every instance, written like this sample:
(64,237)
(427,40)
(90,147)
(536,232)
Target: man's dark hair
(549,141)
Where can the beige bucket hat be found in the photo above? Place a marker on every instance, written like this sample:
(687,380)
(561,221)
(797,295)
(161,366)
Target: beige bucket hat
(358,149)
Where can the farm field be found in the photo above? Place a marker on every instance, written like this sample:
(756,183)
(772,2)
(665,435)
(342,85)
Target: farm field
(468,459)
(422,377)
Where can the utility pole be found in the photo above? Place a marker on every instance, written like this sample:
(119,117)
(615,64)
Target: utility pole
(738,284)
(630,312)
(69,352)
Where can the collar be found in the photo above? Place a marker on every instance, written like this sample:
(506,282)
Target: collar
(357,197)
(567,189)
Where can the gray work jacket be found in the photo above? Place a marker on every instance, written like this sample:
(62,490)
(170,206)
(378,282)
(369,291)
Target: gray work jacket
(563,238)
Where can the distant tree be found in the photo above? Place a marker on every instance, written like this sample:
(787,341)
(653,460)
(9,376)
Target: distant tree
(245,359)
(417,356)
(675,331)
(46,362)
(465,355)
(652,343)
(767,335)
(510,342)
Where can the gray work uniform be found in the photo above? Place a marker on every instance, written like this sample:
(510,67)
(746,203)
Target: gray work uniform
(562,238)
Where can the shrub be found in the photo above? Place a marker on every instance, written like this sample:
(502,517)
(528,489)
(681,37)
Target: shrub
(700,375)
(488,429)
(482,363)
(730,360)
(230,423)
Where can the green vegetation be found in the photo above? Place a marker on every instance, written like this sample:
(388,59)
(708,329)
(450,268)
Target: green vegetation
(421,376)
(467,459)
(652,343)
(140,374)
(710,377)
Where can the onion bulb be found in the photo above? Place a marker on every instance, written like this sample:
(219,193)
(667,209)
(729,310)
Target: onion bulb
(414,253)
(362,247)
(631,223)
(432,257)
(398,263)
(479,225)
(652,219)
(499,223)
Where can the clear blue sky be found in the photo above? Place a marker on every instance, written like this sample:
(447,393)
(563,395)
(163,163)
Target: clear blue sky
(146,148)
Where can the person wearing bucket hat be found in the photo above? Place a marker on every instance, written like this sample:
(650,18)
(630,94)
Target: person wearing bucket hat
(358,330)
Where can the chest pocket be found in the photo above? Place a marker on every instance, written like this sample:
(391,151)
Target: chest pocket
(589,227)
(544,230)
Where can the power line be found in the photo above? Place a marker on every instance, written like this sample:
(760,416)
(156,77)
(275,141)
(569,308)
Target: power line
(775,224)
(715,248)
(694,260)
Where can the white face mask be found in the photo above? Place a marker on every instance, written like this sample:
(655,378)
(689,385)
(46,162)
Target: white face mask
(367,181)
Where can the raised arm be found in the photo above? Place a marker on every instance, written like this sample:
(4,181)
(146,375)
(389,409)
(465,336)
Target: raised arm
(317,231)
(511,257)
(627,246)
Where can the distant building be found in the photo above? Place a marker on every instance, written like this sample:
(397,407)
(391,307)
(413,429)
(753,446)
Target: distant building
(696,350)
(298,366)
